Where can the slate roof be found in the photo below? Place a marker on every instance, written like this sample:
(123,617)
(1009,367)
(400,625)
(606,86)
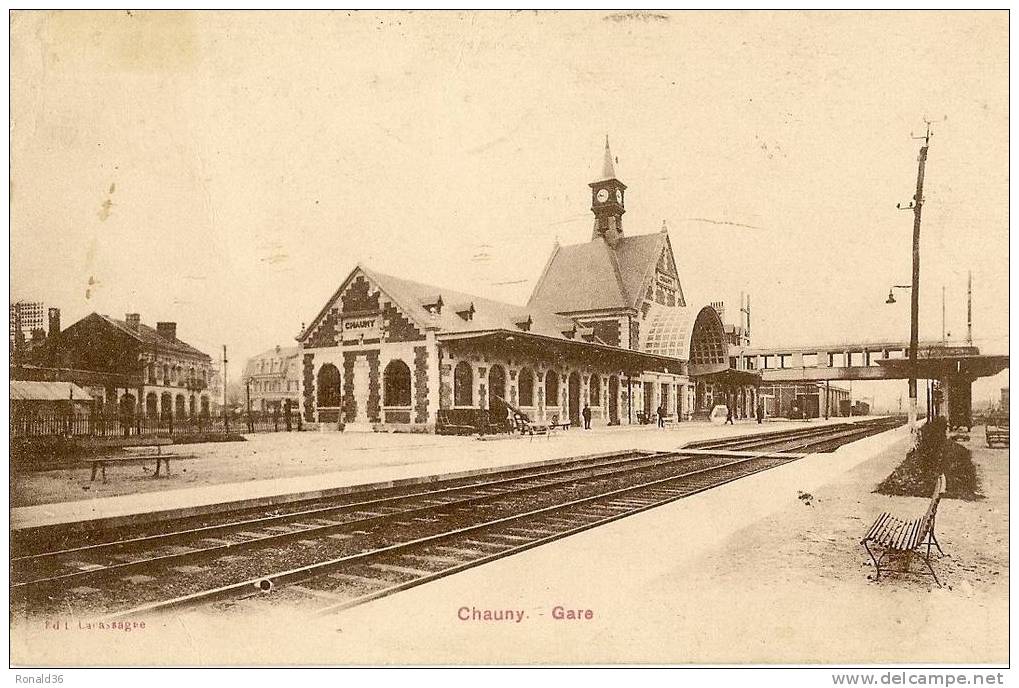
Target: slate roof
(285,353)
(29,390)
(147,335)
(412,298)
(595,276)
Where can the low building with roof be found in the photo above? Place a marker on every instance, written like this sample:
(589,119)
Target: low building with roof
(607,326)
(128,367)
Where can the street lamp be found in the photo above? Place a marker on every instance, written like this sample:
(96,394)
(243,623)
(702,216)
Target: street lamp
(891,291)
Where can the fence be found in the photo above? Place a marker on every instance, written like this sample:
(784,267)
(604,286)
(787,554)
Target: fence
(99,425)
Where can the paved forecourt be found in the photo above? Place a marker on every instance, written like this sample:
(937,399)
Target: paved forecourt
(275,468)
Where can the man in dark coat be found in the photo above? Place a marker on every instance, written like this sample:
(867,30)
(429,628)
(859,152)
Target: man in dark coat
(586,413)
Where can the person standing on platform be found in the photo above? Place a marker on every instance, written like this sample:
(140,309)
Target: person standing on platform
(728,416)
(586,413)
(661,417)
(760,411)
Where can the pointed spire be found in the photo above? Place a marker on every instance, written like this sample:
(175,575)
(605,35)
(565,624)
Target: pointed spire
(608,170)
(665,228)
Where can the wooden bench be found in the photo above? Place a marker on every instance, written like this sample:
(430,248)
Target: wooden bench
(99,462)
(897,537)
(996,432)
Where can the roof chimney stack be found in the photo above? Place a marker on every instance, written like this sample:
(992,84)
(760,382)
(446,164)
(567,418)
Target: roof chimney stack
(133,320)
(167,330)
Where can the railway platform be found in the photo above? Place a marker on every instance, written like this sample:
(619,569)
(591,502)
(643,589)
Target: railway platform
(282,467)
(670,585)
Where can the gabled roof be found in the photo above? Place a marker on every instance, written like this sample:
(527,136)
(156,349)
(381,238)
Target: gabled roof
(414,298)
(150,337)
(411,297)
(595,276)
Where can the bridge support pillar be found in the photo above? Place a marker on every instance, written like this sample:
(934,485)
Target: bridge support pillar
(958,401)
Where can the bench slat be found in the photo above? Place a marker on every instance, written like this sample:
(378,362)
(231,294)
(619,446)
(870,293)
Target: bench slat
(877,524)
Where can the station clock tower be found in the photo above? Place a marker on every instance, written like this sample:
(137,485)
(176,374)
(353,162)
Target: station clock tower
(607,196)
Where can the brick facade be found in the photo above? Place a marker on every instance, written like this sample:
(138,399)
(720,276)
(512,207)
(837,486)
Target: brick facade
(397,327)
(606,330)
(309,388)
(327,331)
(358,298)
(349,402)
(374,387)
(420,384)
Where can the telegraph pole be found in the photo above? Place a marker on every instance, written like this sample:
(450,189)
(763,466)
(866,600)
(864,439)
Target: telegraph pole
(226,415)
(969,309)
(916,205)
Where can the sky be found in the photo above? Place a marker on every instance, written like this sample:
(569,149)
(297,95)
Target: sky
(227,170)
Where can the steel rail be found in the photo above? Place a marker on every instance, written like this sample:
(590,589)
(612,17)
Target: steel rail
(652,461)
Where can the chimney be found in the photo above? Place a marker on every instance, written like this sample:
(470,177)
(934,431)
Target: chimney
(719,306)
(167,330)
(54,321)
(133,320)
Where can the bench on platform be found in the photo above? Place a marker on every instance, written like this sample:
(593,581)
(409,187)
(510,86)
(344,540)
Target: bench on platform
(996,431)
(525,426)
(896,537)
(99,462)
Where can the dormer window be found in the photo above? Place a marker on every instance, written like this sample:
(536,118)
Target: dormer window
(525,325)
(466,312)
(433,304)
(570,332)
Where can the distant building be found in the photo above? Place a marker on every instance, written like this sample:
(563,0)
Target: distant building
(129,367)
(30,322)
(806,400)
(273,377)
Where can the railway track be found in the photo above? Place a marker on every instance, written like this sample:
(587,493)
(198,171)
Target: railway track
(346,551)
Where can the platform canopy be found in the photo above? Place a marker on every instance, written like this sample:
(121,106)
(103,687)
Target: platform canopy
(726,376)
(529,344)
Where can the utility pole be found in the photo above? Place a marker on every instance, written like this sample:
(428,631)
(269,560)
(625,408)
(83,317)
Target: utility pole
(226,416)
(969,309)
(942,316)
(916,205)
(745,309)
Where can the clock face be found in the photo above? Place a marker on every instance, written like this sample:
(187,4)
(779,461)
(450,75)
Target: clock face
(603,195)
(619,196)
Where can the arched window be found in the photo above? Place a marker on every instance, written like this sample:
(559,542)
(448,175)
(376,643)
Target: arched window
(463,384)
(551,388)
(595,390)
(526,387)
(329,393)
(396,384)
(166,374)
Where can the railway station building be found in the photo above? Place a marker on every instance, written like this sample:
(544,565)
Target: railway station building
(607,326)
